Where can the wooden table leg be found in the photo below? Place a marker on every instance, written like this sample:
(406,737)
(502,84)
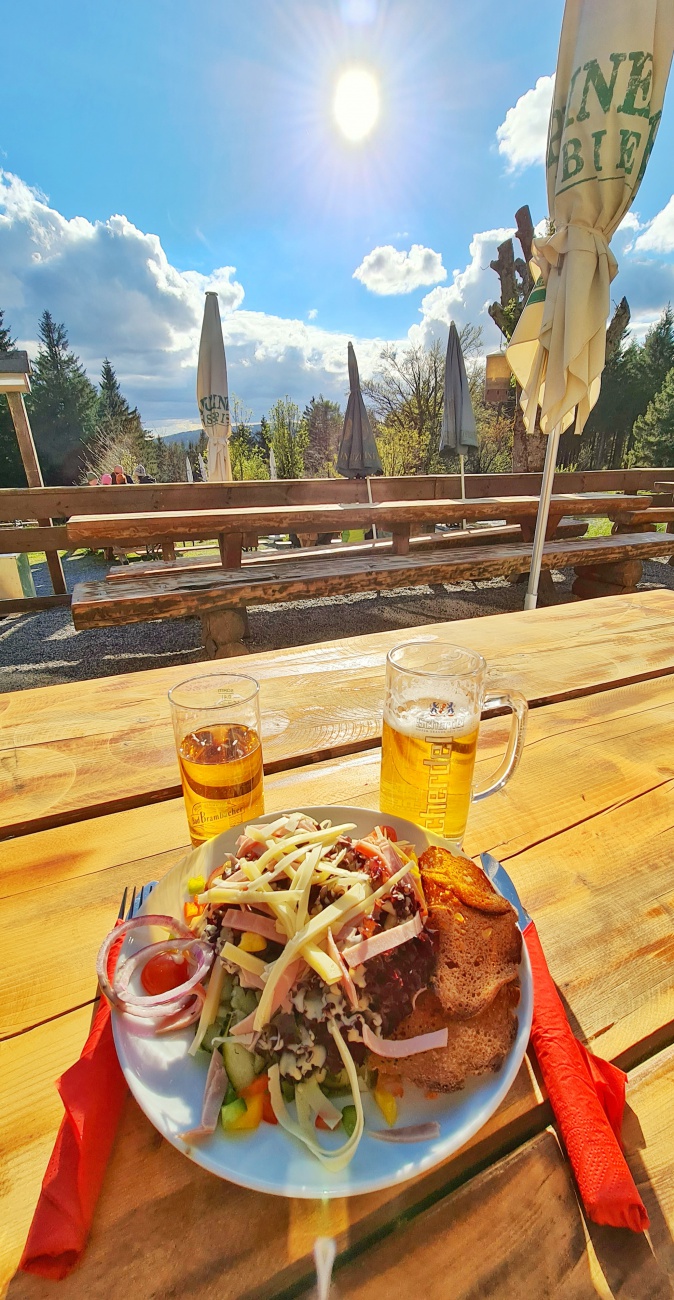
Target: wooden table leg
(230,545)
(401,539)
(223,631)
(168,551)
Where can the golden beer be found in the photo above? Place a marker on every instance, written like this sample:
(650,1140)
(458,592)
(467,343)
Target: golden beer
(427,767)
(222,779)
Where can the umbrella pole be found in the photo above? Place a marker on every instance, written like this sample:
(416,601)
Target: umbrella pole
(369,497)
(542,518)
(462,468)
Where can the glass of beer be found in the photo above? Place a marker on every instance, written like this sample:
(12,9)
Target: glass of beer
(216,721)
(435,695)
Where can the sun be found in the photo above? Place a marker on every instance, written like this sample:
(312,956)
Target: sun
(356,103)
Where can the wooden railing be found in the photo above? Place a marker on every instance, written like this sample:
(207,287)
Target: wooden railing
(60,503)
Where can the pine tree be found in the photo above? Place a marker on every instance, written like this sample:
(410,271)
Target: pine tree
(112,405)
(119,438)
(289,438)
(62,405)
(323,419)
(654,431)
(11,466)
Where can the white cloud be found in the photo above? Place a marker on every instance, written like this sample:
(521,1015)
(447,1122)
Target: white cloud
(523,133)
(388,270)
(312,313)
(467,297)
(119,296)
(659,234)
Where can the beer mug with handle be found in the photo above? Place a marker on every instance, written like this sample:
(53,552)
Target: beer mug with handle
(435,695)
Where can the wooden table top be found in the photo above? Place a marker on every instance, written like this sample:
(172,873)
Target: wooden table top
(587,832)
(90,530)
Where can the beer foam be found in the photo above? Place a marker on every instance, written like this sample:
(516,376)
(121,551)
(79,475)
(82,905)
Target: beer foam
(423,718)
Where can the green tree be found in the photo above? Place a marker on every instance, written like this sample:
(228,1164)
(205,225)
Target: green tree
(119,437)
(406,396)
(11,466)
(654,432)
(289,438)
(324,420)
(246,454)
(62,405)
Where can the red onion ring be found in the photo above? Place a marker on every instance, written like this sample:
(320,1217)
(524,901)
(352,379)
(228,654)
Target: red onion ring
(168,1003)
(192,948)
(186,1016)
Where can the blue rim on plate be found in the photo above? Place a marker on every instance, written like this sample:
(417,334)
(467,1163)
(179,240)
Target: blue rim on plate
(168,1084)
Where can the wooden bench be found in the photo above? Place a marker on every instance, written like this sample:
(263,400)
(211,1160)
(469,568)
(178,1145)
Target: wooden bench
(220,597)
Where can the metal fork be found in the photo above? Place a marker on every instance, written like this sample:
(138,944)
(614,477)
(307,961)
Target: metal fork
(138,897)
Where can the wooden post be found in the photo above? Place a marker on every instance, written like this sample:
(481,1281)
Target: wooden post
(31,465)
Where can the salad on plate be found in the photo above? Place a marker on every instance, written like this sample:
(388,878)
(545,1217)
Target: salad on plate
(317,966)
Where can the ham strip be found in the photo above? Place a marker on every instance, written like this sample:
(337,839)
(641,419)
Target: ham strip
(347,982)
(392,1047)
(244,1026)
(248,980)
(263,925)
(384,941)
(214,1095)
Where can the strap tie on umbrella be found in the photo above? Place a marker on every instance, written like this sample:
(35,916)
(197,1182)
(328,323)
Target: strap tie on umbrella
(550,251)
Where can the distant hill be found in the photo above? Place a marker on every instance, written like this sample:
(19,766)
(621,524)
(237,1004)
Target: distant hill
(183,436)
(192,435)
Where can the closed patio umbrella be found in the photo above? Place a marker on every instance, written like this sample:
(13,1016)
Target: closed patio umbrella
(188,469)
(612,71)
(357,456)
(213,394)
(459,430)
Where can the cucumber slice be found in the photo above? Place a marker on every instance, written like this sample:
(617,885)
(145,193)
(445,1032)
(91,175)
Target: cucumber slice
(239,1064)
(232,1111)
(349,1119)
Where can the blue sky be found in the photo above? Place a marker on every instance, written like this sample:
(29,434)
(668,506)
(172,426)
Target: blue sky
(209,127)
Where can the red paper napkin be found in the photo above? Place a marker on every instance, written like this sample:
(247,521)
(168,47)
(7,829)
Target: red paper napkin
(588,1098)
(93,1092)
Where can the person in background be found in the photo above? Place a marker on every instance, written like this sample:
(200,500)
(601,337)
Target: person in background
(92,480)
(119,477)
(141,476)
(106,480)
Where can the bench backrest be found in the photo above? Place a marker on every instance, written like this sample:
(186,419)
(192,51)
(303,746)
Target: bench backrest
(62,502)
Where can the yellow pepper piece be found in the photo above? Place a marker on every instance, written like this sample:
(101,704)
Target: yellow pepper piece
(251,942)
(196,885)
(253,1116)
(387,1105)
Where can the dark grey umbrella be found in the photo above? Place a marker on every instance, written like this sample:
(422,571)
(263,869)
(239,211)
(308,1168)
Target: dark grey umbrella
(357,456)
(459,431)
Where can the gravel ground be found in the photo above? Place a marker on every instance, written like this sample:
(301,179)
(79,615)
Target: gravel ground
(43,649)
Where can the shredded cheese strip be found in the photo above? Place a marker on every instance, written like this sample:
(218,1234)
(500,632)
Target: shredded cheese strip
(209,1010)
(340,1158)
(246,960)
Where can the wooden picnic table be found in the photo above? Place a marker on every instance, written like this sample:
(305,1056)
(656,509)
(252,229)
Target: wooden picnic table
(586,831)
(235,523)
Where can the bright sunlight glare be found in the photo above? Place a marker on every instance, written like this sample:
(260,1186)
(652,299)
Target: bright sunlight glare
(356,103)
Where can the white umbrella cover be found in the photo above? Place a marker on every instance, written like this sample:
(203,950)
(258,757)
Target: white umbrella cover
(612,71)
(213,393)
(188,469)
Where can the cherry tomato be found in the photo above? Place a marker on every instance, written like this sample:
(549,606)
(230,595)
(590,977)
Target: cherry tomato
(163,972)
(320,1123)
(390,833)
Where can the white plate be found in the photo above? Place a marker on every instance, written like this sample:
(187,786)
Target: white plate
(169,1085)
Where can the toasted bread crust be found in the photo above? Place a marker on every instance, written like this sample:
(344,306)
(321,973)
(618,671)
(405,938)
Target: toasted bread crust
(474,1046)
(478,942)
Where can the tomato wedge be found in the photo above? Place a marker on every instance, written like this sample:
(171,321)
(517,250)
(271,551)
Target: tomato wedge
(164,972)
(390,833)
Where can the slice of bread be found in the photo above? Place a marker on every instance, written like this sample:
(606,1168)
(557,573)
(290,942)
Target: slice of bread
(473,1047)
(478,942)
